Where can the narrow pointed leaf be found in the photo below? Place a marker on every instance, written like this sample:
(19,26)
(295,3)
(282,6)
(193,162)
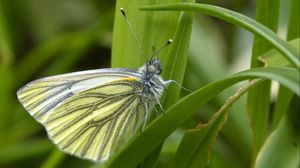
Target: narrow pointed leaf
(237,19)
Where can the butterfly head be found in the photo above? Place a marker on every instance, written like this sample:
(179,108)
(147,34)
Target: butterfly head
(154,66)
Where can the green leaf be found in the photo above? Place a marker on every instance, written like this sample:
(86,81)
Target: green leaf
(176,115)
(194,149)
(55,158)
(268,18)
(281,149)
(152,29)
(284,95)
(294,22)
(258,109)
(274,58)
(237,19)
(175,63)
(207,48)
(282,105)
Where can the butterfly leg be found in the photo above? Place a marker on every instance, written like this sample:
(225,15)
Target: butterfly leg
(156,111)
(157,101)
(167,82)
(146,115)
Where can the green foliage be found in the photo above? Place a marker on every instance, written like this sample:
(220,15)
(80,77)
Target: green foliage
(274,58)
(238,19)
(281,148)
(195,146)
(206,128)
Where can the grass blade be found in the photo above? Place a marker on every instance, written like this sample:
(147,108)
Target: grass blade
(282,105)
(206,50)
(294,22)
(194,149)
(258,109)
(281,149)
(152,29)
(237,19)
(55,158)
(274,58)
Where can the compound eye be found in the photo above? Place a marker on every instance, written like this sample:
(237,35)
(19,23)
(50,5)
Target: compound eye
(151,69)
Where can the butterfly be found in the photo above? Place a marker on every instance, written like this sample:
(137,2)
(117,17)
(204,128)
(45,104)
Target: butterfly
(92,114)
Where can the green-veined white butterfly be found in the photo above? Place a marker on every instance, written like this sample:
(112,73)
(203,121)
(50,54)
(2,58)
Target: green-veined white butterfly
(91,114)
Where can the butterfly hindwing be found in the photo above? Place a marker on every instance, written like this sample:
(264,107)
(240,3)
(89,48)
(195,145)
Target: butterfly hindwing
(90,114)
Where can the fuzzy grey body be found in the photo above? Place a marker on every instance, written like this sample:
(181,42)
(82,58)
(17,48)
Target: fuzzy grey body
(154,85)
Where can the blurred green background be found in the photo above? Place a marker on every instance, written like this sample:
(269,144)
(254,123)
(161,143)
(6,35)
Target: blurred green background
(39,38)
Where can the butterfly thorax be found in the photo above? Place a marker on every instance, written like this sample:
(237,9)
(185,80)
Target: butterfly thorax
(153,83)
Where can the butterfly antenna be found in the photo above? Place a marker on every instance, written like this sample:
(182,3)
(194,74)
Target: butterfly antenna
(155,52)
(139,44)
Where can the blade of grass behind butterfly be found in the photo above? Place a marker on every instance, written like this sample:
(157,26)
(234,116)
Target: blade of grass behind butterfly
(151,28)
(175,64)
(294,21)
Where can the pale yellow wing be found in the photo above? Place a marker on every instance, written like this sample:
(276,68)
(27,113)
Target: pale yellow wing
(90,116)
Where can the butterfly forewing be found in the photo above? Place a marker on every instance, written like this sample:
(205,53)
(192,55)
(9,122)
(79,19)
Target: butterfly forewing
(89,114)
